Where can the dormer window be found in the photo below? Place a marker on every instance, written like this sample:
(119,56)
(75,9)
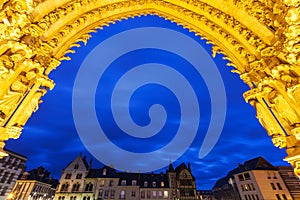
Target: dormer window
(145,184)
(133,182)
(104,172)
(154,184)
(162,184)
(123,183)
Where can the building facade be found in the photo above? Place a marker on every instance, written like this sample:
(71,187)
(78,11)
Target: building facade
(11,167)
(81,182)
(256,179)
(35,184)
(291,180)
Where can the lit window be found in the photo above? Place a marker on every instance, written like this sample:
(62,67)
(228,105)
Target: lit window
(162,184)
(145,184)
(101,183)
(154,194)
(154,184)
(122,194)
(166,194)
(184,175)
(104,172)
(133,182)
(160,194)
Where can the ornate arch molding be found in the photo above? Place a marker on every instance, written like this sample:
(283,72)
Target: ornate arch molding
(259,37)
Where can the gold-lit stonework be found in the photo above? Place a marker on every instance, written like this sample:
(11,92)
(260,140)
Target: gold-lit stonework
(260,38)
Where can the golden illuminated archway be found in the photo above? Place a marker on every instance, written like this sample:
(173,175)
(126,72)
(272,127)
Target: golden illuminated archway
(260,38)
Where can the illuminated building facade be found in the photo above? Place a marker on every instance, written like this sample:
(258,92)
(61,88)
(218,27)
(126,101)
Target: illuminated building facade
(291,181)
(11,167)
(35,184)
(256,179)
(80,182)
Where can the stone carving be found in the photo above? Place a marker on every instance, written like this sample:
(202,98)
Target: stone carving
(36,35)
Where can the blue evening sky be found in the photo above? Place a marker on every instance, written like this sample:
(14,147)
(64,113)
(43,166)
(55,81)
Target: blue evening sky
(50,137)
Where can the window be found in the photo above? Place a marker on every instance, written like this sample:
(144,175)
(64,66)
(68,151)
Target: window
(79,176)
(160,194)
(162,184)
(252,186)
(284,197)
(246,197)
(153,184)
(247,176)
(148,194)
(133,183)
(241,177)
(112,194)
(76,166)
(64,187)
(75,187)
(104,172)
(122,194)
(143,194)
(111,183)
(279,186)
(154,194)
(100,194)
(273,186)
(89,187)
(9,180)
(106,194)
(278,197)
(184,175)
(101,183)
(145,184)
(256,197)
(133,193)
(166,194)
(68,176)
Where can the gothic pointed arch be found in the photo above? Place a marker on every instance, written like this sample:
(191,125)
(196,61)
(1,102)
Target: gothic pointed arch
(260,38)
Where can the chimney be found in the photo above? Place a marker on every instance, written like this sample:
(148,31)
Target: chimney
(91,162)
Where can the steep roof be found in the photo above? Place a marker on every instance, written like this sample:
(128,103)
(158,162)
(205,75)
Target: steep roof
(142,177)
(99,173)
(258,163)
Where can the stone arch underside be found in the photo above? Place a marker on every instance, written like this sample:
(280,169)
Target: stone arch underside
(260,38)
